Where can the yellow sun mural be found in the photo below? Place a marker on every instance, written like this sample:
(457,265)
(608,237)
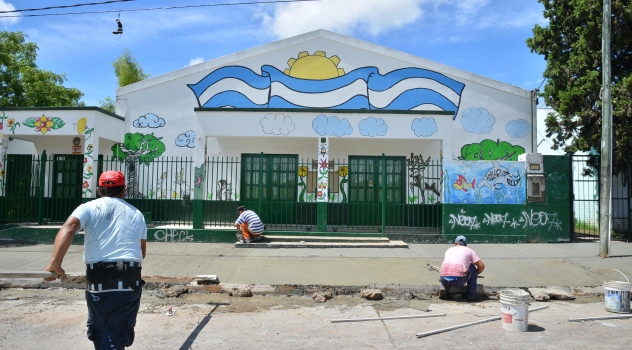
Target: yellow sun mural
(314,67)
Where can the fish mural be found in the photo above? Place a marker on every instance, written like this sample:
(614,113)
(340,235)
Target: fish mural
(498,177)
(492,182)
(408,88)
(462,184)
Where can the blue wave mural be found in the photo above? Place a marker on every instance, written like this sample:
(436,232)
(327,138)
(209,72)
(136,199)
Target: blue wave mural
(362,88)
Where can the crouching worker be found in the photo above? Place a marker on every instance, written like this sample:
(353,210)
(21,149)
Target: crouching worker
(114,247)
(461,265)
(249,225)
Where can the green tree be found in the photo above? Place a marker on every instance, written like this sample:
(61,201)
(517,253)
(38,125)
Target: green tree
(571,45)
(128,70)
(108,104)
(137,149)
(23,84)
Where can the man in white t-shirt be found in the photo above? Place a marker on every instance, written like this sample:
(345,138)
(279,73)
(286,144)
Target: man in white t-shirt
(461,265)
(115,239)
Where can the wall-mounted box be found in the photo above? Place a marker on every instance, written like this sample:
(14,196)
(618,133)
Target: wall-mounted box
(536,188)
(534,162)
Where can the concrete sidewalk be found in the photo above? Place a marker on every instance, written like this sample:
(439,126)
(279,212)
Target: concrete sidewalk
(507,265)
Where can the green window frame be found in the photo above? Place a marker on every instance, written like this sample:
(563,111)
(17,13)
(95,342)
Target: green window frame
(365,179)
(274,175)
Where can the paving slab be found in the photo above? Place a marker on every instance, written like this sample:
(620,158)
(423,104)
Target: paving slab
(507,265)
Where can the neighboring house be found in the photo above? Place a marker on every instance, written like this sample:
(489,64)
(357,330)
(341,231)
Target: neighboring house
(317,118)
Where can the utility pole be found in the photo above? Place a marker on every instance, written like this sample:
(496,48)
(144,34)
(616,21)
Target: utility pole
(605,174)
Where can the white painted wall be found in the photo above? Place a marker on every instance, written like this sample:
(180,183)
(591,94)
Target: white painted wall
(169,98)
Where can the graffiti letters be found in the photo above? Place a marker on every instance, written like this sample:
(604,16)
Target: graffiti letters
(461,220)
(540,218)
(173,235)
(526,220)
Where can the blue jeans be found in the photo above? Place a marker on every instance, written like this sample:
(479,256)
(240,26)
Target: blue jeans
(458,282)
(111,318)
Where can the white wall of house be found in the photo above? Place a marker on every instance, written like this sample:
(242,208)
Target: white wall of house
(61,131)
(164,105)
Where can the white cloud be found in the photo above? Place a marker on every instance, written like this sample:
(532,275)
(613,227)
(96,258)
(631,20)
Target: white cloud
(7,6)
(195,61)
(372,16)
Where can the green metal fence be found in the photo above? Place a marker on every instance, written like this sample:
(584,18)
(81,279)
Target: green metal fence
(585,199)
(365,194)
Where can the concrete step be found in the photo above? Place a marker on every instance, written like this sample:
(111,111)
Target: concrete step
(319,242)
(325,239)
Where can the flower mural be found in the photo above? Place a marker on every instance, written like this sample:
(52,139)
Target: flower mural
(343,171)
(44,124)
(87,172)
(302,172)
(83,128)
(86,188)
(11,124)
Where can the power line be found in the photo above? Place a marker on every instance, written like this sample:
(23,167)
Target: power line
(66,6)
(160,8)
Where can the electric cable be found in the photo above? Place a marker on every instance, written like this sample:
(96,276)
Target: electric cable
(160,8)
(66,6)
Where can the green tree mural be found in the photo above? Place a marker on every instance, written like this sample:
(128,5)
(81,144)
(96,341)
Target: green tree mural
(137,149)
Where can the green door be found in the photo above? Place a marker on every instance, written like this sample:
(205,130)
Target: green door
(20,199)
(67,183)
(272,180)
(371,181)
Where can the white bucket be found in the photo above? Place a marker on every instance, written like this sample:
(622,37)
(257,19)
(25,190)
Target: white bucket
(617,295)
(515,309)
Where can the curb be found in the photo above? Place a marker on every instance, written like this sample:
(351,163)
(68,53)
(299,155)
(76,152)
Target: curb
(189,285)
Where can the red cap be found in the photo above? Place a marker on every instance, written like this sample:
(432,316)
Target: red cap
(112,179)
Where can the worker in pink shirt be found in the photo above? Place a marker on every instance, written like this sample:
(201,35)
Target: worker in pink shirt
(461,265)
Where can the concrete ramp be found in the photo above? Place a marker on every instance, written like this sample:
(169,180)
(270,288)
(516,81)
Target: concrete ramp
(322,242)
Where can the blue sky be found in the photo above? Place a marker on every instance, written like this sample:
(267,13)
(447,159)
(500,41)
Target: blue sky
(485,37)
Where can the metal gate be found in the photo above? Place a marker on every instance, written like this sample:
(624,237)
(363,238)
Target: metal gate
(585,199)
(586,202)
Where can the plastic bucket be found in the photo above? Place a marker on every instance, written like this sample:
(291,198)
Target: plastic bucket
(617,294)
(514,307)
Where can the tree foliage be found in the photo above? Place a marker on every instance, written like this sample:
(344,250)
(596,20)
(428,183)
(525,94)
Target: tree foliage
(128,70)
(23,84)
(108,104)
(144,147)
(571,45)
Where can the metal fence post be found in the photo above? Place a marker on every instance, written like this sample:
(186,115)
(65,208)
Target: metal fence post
(42,187)
(384,188)
(260,183)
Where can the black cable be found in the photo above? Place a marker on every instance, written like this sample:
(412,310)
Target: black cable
(67,6)
(161,8)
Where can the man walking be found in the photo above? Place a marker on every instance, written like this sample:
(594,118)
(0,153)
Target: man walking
(249,225)
(461,265)
(114,246)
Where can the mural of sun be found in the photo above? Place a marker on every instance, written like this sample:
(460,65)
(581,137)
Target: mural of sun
(314,67)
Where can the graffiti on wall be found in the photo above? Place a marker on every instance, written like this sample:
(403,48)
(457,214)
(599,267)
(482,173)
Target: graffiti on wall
(315,81)
(422,183)
(484,182)
(531,219)
(173,235)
